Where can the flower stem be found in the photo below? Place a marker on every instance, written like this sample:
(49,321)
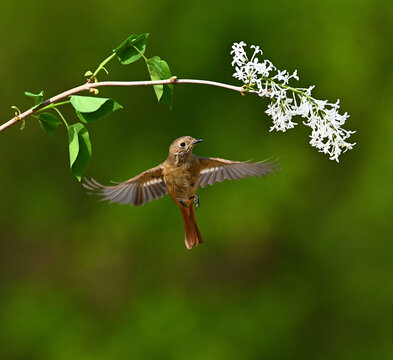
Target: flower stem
(295,90)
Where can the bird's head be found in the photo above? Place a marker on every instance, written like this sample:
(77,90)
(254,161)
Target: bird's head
(182,147)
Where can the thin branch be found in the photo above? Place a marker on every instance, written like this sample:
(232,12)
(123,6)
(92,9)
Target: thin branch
(61,117)
(86,87)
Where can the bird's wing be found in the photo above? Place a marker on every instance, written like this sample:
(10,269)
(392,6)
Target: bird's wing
(137,191)
(216,170)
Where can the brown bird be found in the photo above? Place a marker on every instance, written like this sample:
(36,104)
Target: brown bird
(180,175)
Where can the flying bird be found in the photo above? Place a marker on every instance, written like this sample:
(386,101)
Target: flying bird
(180,175)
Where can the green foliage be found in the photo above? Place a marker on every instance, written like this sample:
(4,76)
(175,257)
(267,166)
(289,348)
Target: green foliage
(36,97)
(48,122)
(131,49)
(79,149)
(90,108)
(159,70)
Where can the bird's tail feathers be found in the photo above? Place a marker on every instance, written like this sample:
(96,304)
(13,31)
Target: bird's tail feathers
(193,236)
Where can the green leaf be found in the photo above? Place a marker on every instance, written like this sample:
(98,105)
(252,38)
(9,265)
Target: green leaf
(36,97)
(131,49)
(79,149)
(48,122)
(87,103)
(159,70)
(90,108)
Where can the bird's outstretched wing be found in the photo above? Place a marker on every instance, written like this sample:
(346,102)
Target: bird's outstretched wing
(137,191)
(216,170)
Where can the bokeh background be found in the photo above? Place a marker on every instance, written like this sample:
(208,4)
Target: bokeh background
(294,266)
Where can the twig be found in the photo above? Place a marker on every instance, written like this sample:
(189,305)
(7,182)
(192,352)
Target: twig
(86,87)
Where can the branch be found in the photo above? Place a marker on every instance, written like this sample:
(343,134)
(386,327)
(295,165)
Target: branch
(86,87)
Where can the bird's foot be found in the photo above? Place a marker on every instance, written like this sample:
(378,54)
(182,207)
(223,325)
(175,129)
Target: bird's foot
(181,201)
(196,201)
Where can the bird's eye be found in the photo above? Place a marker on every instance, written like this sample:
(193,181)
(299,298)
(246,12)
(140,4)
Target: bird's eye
(182,144)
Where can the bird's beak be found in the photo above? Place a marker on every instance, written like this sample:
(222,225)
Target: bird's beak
(197,141)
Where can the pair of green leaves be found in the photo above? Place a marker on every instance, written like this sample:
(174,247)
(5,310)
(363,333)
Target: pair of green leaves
(132,49)
(88,109)
(48,121)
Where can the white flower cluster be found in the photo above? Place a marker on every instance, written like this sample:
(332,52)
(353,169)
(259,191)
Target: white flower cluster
(322,117)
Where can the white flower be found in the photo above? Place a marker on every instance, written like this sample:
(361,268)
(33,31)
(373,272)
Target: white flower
(322,117)
(281,114)
(240,55)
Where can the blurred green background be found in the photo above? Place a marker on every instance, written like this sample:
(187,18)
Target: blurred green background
(294,266)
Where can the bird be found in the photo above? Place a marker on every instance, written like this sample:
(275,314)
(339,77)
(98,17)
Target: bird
(180,176)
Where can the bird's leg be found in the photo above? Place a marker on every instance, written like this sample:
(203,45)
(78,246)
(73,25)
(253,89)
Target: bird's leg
(196,201)
(181,201)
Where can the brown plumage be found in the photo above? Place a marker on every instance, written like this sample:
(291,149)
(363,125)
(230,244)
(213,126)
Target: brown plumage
(180,175)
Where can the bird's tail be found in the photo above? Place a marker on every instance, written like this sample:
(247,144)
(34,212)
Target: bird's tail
(193,236)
